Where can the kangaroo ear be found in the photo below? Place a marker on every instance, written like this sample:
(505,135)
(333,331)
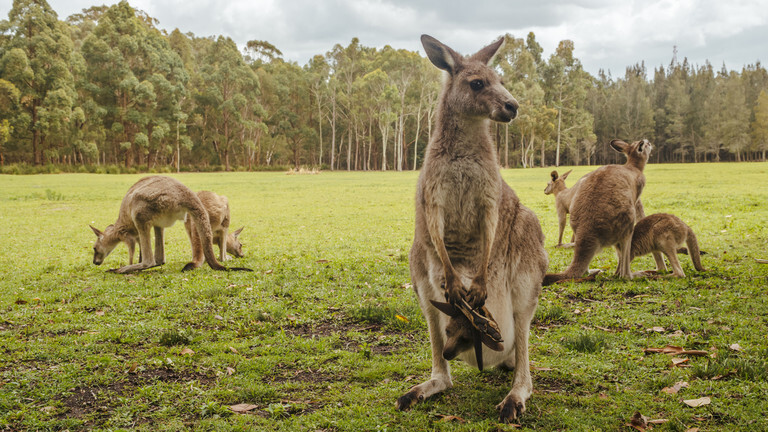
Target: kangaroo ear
(441,55)
(619,145)
(237,232)
(486,54)
(490,343)
(565,175)
(446,308)
(554,175)
(96,231)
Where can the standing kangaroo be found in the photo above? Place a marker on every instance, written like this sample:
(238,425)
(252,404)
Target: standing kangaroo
(217,207)
(563,197)
(604,210)
(664,232)
(471,230)
(154,202)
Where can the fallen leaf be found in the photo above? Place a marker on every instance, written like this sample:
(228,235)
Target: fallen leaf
(133,367)
(693,403)
(638,421)
(48,409)
(761,261)
(187,351)
(402,318)
(693,429)
(735,347)
(679,361)
(322,261)
(219,317)
(230,371)
(242,408)
(21,302)
(451,418)
(658,329)
(676,350)
(658,421)
(100,312)
(675,388)
(234,350)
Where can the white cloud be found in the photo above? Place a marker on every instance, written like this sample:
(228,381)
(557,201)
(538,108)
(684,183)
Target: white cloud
(607,34)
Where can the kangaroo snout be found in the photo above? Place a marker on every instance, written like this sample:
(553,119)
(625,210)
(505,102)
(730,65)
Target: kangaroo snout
(511,106)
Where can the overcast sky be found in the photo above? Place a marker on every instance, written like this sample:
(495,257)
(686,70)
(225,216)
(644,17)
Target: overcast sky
(608,34)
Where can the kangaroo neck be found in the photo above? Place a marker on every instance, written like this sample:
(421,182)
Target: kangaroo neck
(460,135)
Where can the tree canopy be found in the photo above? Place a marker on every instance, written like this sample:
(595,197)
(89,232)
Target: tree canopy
(106,87)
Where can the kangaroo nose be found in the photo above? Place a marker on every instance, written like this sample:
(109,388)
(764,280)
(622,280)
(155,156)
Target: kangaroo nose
(512,108)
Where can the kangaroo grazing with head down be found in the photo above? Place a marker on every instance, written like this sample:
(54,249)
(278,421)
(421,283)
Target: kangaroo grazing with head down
(664,232)
(217,207)
(473,242)
(154,202)
(604,210)
(563,197)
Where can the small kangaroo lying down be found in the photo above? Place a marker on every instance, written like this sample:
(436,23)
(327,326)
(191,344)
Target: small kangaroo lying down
(217,207)
(154,202)
(664,232)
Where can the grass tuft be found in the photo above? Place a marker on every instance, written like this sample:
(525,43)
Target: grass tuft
(173,338)
(586,342)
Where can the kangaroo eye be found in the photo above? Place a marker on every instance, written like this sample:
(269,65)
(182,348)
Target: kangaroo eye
(476,85)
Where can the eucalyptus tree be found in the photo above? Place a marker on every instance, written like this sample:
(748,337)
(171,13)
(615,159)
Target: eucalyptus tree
(224,81)
(566,84)
(759,126)
(35,59)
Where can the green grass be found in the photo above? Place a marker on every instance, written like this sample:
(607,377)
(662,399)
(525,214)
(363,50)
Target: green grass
(315,338)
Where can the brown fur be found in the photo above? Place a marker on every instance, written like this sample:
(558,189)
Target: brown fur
(664,232)
(217,207)
(471,229)
(153,202)
(604,210)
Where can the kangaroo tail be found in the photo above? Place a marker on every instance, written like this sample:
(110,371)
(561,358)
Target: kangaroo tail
(693,250)
(203,226)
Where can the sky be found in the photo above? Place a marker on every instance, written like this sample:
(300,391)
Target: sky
(607,34)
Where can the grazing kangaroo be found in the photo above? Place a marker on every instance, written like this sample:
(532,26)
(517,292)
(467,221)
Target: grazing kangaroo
(664,232)
(472,231)
(563,197)
(604,210)
(154,202)
(217,207)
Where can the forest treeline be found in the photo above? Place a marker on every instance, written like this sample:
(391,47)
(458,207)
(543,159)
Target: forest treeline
(107,88)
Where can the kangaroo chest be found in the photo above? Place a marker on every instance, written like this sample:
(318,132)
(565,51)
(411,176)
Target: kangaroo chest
(465,192)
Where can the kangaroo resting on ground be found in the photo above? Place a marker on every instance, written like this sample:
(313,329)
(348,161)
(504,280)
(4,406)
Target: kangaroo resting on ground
(217,207)
(604,210)
(664,232)
(471,230)
(563,197)
(154,202)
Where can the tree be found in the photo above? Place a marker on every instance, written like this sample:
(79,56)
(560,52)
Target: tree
(759,126)
(36,60)
(225,82)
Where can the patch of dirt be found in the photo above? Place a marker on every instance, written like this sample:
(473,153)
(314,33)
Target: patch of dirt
(284,374)
(97,399)
(375,335)
(550,384)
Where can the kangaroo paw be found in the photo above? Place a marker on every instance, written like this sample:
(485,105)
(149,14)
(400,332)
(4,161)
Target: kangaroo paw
(408,400)
(510,409)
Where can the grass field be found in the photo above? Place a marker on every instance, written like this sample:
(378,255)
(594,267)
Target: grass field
(311,341)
